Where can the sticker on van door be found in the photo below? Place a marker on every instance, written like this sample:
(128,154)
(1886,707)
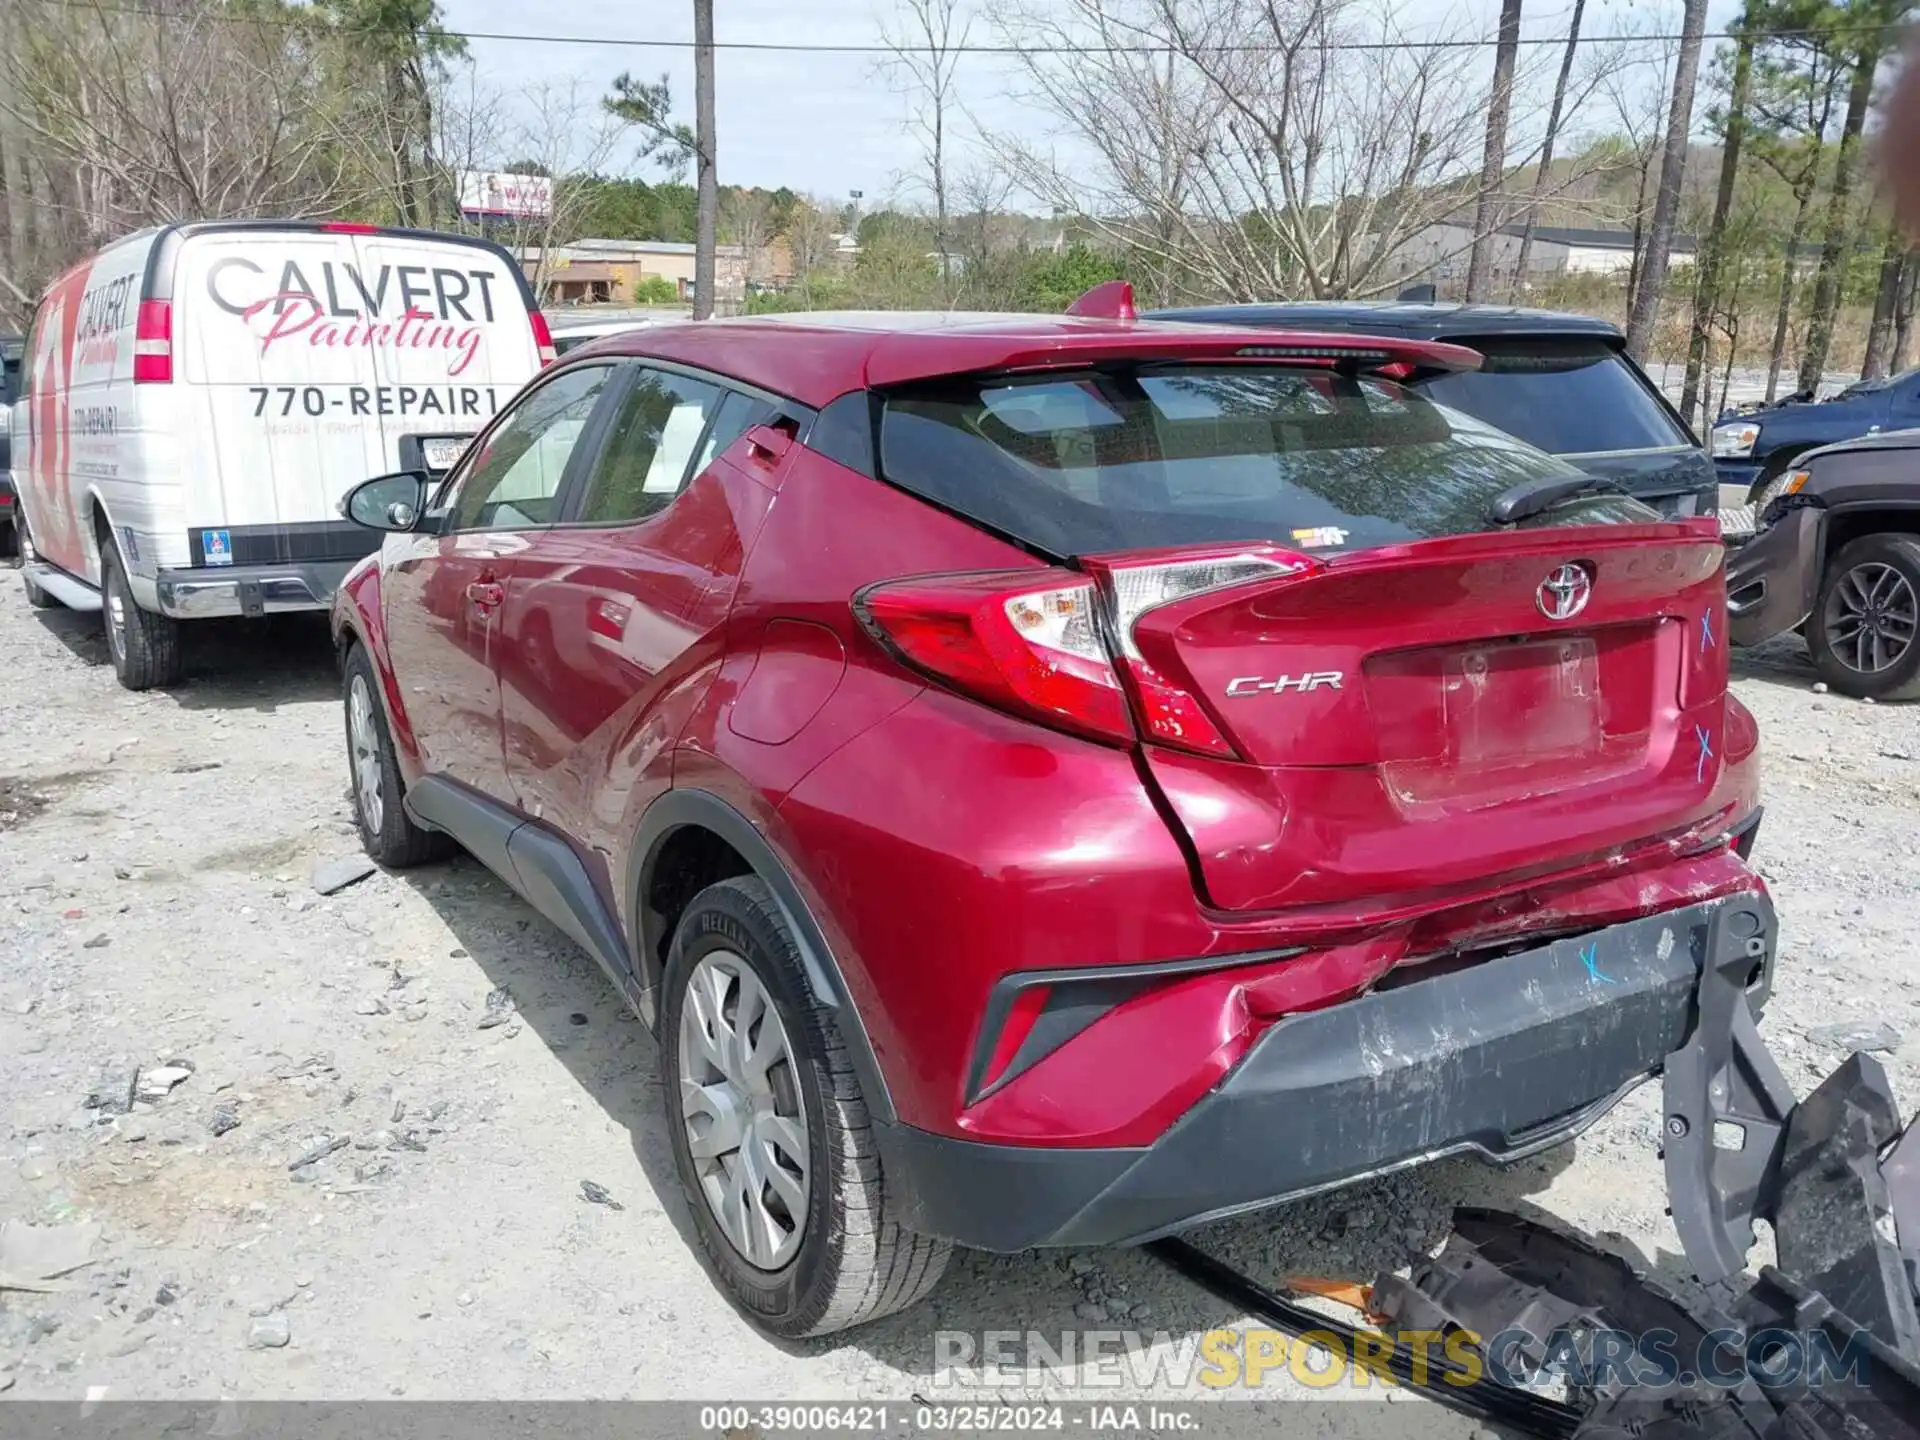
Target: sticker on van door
(217,546)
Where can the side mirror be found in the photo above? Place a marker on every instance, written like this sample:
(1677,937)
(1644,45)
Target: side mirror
(388,502)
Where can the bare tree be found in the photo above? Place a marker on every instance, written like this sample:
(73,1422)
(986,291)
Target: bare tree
(1493,164)
(1903,314)
(1840,226)
(924,54)
(1554,111)
(145,116)
(552,129)
(1652,285)
(1706,290)
(1246,148)
(1886,301)
(1796,86)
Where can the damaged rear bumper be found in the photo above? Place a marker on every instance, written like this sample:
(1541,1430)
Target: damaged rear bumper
(1501,1059)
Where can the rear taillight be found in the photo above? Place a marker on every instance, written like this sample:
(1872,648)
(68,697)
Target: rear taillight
(1031,641)
(153,343)
(1173,714)
(542,337)
(1022,640)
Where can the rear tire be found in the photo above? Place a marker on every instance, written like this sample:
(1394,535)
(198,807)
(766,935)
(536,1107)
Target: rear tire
(847,1260)
(145,646)
(1864,633)
(388,834)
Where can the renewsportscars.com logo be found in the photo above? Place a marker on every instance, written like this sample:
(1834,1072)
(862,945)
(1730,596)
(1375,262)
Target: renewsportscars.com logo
(1225,1359)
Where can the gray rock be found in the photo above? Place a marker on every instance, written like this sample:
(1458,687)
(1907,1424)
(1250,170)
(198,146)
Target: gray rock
(114,1093)
(1851,1035)
(378,1140)
(168,1293)
(225,1118)
(372,1005)
(97,942)
(336,875)
(133,1133)
(319,1150)
(158,1083)
(136,1341)
(372,1170)
(6,1381)
(499,1009)
(597,1194)
(1090,1312)
(269,1332)
(1079,1265)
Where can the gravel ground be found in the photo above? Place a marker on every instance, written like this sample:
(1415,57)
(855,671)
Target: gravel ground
(157,906)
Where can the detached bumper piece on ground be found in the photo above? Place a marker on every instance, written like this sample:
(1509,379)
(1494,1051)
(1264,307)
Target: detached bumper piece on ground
(1825,1345)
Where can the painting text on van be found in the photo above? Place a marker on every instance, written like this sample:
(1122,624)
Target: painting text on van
(405,307)
(103,313)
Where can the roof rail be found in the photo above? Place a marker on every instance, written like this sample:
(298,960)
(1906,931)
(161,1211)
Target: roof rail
(1112,300)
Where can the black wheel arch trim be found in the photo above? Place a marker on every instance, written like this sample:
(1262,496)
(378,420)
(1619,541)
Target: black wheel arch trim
(685,806)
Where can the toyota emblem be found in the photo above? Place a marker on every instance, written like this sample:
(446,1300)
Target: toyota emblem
(1565,592)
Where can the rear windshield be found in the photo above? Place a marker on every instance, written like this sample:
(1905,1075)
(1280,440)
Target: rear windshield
(1578,398)
(1152,456)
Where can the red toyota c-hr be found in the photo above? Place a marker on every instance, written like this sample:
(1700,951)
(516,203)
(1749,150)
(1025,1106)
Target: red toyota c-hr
(1052,780)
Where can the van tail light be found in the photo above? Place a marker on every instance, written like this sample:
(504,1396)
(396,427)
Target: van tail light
(1025,641)
(542,338)
(153,343)
(349,227)
(1034,642)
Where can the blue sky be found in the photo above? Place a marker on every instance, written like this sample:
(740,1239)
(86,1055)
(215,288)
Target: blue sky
(829,124)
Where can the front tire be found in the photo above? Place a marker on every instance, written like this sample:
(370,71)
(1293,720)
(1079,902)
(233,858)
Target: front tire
(386,832)
(1864,633)
(145,646)
(770,1133)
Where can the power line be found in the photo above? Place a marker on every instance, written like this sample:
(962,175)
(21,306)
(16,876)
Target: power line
(805,47)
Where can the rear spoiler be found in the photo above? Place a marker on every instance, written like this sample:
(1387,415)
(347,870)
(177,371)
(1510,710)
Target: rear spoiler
(1396,358)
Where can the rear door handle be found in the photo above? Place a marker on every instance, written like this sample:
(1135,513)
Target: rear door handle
(486,594)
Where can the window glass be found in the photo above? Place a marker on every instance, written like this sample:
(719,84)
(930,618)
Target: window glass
(644,459)
(514,481)
(1168,455)
(738,414)
(1567,398)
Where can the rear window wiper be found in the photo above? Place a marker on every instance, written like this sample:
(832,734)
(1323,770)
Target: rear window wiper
(1532,497)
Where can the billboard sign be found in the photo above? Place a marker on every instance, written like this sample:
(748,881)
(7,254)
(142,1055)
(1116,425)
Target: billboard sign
(510,197)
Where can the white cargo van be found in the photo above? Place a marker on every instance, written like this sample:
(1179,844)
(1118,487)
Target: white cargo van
(196,400)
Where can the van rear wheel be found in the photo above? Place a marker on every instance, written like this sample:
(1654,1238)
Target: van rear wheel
(145,646)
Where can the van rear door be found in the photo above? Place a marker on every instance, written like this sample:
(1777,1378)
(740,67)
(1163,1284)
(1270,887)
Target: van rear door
(315,358)
(465,342)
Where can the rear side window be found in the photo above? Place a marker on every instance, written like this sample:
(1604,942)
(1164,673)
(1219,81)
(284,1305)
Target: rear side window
(1154,456)
(1567,398)
(644,462)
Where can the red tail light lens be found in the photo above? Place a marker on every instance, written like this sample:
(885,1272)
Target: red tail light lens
(153,343)
(1173,715)
(542,337)
(1025,641)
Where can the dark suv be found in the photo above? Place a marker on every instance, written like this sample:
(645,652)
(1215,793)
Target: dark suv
(1562,383)
(1837,557)
(1050,780)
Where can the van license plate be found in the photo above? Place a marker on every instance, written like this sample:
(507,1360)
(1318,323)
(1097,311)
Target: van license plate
(442,451)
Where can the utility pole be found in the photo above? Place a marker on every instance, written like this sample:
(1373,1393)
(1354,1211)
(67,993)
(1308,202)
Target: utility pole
(707,203)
